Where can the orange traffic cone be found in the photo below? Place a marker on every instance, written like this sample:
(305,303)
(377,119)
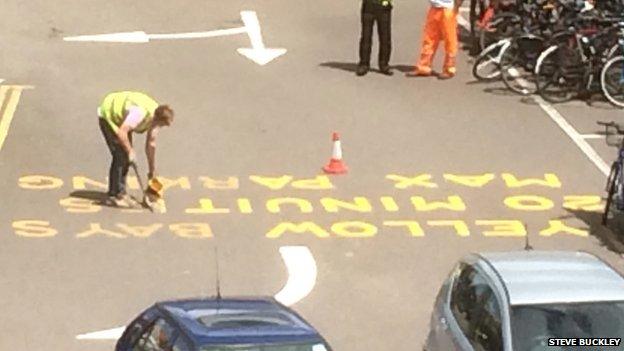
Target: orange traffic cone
(335,165)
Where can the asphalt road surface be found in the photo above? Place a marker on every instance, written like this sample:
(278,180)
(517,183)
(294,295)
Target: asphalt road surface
(437,169)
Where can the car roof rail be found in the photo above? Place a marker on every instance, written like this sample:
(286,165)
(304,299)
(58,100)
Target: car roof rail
(218,281)
(497,275)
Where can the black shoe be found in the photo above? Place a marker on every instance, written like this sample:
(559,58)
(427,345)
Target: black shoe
(362,70)
(386,70)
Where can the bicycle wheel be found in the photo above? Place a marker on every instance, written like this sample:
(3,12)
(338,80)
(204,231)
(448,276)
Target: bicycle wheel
(486,66)
(611,187)
(615,50)
(553,80)
(516,69)
(612,81)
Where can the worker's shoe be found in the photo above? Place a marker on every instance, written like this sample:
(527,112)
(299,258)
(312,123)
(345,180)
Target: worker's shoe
(385,70)
(420,73)
(121,201)
(446,75)
(362,70)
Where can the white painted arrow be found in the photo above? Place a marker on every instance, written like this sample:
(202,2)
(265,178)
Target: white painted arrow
(126,37)
(142,37)
(302,271)
(258,52)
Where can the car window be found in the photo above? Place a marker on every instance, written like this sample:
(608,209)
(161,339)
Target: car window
(476,310)
(269,347)
(159,337)
(487,324)
(134,330)
(461,299)
(533,325)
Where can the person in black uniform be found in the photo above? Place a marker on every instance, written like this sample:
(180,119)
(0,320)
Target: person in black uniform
(379,11)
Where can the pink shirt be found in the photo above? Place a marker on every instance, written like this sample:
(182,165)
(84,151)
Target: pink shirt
(134,117)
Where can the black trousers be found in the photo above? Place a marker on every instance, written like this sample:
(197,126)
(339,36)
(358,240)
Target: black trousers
(382,16)
(119,166)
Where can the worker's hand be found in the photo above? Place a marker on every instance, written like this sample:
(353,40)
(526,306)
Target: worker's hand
(132,157)
(150,175)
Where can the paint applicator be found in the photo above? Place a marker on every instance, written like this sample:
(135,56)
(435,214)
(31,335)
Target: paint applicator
(154,195)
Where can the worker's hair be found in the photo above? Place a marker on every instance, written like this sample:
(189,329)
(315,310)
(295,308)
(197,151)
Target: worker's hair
(163,112)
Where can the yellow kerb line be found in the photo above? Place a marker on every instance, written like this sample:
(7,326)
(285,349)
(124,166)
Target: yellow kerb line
(9,109)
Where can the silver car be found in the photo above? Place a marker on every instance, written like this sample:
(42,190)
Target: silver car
(519,300)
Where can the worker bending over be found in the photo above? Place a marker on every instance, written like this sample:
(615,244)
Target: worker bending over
(121,114)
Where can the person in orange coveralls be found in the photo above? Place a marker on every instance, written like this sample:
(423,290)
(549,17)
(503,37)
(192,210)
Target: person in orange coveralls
(441,25)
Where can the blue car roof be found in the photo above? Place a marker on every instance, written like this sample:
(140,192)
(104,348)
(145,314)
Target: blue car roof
(234,321)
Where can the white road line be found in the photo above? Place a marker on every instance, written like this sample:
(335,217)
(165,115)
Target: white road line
(142,37)
(9,99)
(592,136)
(561,122)
(301,274)
(124,37)
(109,334)
(574,135)
(197,35)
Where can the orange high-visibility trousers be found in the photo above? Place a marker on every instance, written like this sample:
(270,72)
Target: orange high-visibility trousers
(441,25)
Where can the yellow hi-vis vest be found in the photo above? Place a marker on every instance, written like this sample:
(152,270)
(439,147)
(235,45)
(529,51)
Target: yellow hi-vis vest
(114,109)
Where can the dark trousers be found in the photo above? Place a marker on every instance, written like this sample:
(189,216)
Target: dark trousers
(383,16)
(119,167)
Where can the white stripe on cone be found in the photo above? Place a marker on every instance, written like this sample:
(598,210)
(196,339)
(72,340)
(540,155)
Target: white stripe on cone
(337,152)
(335,165)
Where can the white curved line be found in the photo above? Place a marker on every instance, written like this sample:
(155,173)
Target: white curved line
(109,334)
(301,274)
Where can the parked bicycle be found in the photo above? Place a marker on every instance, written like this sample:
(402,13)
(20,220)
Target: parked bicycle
(612,75)
(519,58)
(487,65)
(572,67)
(522,33)
(560,49)
(615,181)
